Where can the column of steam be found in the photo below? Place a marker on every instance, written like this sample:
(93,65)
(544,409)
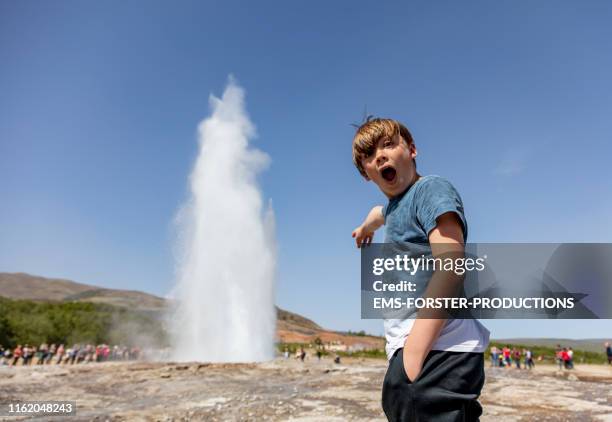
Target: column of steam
(225,272)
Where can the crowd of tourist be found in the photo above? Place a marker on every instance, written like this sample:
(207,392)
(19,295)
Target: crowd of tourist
(53,354)
(564,357)
(507,357)
(523,358)
(300,354)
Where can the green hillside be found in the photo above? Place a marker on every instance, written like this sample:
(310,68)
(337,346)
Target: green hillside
(24,321)
(590,345)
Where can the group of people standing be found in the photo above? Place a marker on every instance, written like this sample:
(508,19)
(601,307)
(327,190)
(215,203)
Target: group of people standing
(301,354)
(564,357)
(506,356)
(47,354)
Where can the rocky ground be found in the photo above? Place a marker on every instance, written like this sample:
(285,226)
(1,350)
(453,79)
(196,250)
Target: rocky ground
(289,390)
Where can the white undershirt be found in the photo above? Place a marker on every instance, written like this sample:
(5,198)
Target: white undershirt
(457,335)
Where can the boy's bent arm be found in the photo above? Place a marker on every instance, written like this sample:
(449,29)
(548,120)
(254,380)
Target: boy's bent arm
(445,239)
(365,232)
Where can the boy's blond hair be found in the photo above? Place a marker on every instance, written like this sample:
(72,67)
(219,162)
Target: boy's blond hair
(369,134)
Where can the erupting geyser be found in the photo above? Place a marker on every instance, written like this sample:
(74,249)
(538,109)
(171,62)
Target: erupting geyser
(226,257)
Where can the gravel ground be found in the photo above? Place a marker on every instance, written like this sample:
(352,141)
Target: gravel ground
(289,390)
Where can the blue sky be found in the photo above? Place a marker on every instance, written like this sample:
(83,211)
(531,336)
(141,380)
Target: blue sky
(99,104)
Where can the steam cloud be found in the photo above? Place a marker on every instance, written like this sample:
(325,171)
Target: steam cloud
(226,248)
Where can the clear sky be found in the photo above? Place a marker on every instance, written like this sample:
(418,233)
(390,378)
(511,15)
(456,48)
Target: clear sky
(100,101)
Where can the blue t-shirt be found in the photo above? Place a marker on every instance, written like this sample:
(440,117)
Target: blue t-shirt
(410,217)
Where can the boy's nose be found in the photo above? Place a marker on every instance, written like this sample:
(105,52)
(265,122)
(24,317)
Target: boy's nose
(381,158)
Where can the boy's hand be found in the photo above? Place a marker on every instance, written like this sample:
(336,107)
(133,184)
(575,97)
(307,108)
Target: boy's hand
(362,236)
(365,233)
(413,364)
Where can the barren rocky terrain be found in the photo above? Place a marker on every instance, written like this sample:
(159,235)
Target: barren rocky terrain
(289,390)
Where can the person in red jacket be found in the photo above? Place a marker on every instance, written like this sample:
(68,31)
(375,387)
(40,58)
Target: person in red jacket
(506,354)
(17,354)
(566,358)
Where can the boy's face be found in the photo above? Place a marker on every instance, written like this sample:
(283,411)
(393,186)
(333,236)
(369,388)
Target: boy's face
(391,165)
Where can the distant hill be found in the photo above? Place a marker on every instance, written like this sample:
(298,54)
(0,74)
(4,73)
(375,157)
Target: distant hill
(294,328)
(289,319)
(291,327)
(29,287)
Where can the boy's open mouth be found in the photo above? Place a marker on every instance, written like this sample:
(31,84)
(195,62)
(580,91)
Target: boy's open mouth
(388,173)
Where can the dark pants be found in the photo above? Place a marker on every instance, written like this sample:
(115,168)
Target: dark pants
(446,389)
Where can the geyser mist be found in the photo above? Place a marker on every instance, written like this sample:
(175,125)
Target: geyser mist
(226,249)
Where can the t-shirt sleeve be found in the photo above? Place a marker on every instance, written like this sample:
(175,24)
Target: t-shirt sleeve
(437,197)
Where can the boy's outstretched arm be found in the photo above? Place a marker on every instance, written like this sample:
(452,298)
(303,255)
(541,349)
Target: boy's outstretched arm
(365,232)
(445,239)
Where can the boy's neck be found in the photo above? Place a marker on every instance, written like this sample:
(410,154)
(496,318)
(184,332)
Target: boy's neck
(415,179)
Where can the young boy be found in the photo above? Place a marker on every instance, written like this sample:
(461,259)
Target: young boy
(436,366)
